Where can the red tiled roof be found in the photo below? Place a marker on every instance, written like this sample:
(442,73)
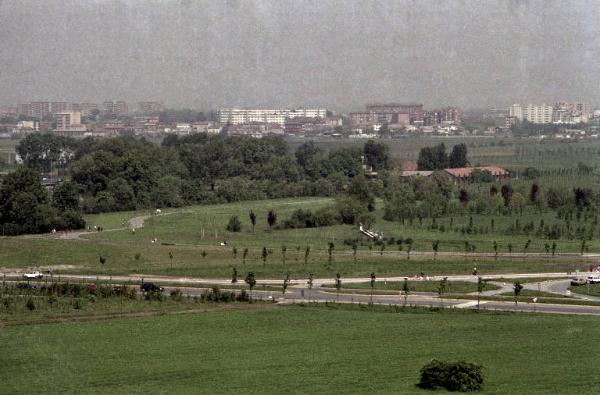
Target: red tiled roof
(463,172)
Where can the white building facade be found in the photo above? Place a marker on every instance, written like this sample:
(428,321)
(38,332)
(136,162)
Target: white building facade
(532,113)
(237,116)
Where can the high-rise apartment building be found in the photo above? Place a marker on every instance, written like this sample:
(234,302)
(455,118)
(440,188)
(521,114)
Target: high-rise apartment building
(390,113)
(540,114)
(59,106)
(118,108)
(84,108)
(24,109)
(414,110)
(39,109)
(65,120)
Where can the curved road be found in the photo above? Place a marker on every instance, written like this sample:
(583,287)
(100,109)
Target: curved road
(298,292)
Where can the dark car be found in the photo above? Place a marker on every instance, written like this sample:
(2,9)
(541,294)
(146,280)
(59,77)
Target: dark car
(578,281)
(150,287)
(26,286)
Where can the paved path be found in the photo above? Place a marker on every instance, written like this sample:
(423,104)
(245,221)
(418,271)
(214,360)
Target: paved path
(299,292)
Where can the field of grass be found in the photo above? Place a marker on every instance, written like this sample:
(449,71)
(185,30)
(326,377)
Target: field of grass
(205,226)
(64,307)
(302,349)
(588,289)
(192,235)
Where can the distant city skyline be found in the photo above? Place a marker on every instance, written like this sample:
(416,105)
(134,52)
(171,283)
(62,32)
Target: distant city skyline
(335,54)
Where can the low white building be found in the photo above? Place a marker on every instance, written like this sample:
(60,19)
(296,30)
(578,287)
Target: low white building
(236,116)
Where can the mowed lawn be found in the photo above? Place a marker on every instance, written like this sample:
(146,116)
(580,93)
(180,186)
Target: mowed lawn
(300,350)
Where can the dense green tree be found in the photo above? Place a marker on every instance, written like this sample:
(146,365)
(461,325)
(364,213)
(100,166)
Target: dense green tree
(557,197)
(458,156)
(506,192)
(517,288)
(346,161)
(167,192)
(351,210)
(271,218)
(433,158)
(251,281)
(309,157)
(66,197)
(402,205)
(122,192)
(376,155)
(234,224)
(252,216)
(360,190)
(482,176)
(534,193)
(25,206)
(45,151)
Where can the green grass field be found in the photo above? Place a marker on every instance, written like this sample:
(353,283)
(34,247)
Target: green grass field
(588,289)
(301,350)
(193,234)
(17,312)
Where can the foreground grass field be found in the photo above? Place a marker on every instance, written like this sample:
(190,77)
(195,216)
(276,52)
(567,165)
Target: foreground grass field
(301,349)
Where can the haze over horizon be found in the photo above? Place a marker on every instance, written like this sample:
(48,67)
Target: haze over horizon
(334,54)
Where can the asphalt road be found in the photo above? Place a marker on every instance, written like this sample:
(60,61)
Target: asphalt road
(298,291)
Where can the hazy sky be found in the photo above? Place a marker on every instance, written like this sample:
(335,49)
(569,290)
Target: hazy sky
(336,54)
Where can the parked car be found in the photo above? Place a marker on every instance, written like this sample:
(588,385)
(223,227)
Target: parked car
(594,279)
(33,275)
(26,286)
(578,281)
(150,287)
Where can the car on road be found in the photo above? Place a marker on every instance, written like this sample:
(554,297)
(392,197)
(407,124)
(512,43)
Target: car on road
(26,286)
(150,287)
(33,275)
(594,279)
(578,281)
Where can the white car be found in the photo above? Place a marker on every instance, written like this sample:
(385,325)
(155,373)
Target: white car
(33,275)
(593,279)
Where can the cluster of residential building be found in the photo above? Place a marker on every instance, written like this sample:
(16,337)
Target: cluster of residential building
(114,117)
(79,119)
(410,117)
(559,113)
(258,122)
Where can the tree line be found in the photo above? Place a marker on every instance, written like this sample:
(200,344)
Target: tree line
(126,173)
(436,158)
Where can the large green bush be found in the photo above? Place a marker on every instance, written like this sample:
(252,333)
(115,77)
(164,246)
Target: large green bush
(452,376)
(234,224)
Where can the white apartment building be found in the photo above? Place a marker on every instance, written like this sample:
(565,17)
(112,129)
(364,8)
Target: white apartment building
(532,113)
(68,123)
(65,120)
(237,116)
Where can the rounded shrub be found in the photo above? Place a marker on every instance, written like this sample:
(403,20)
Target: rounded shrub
(452,376)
